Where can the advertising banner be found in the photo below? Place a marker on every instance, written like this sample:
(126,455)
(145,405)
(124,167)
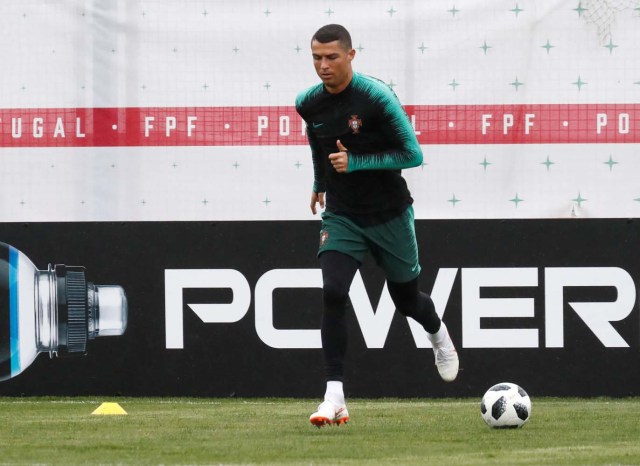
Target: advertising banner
(184,111)
(215,310)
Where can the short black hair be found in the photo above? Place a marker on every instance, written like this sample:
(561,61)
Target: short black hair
(332,32)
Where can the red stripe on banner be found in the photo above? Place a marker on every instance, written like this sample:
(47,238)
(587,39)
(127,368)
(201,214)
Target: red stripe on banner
(256,126)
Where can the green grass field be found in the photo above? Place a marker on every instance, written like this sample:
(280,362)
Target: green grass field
(277,431)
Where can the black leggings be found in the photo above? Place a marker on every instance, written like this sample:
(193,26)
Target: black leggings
(338,270)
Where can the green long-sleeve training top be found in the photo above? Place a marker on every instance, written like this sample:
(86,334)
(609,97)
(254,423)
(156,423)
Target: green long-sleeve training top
(370,122)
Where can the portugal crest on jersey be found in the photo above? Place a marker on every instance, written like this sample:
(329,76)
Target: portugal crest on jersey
(355,124)
(324,236)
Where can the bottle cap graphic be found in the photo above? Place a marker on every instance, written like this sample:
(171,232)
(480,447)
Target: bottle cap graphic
(112,303)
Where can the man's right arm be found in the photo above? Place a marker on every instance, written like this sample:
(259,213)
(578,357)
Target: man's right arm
(319,183)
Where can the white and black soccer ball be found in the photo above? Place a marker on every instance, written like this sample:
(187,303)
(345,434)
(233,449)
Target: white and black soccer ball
(505,405)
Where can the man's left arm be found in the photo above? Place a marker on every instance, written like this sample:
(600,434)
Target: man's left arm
(406,151)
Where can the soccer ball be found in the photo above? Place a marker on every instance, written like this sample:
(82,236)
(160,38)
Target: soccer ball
(505,405)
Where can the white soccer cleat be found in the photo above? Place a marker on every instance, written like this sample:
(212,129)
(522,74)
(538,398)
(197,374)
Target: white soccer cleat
(329,413)
(446,355)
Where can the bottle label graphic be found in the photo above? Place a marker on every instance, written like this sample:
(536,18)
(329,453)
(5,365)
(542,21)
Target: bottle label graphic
(8,312)
(18,346)
(14,316)
(55,310)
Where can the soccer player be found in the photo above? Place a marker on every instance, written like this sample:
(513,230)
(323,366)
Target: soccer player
(360,139)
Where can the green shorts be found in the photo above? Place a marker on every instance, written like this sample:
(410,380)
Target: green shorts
(393,244)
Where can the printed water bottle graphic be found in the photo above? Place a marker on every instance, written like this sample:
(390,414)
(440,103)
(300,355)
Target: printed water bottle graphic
(55,310)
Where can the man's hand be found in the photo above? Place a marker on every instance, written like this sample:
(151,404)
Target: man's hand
(340,160)
(317,198)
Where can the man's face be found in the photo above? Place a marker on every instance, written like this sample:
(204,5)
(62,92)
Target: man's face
(333,64)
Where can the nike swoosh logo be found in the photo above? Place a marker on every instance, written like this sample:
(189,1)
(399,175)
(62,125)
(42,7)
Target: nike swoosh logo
(317,125)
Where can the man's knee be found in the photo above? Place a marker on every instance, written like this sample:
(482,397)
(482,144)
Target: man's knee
(334,293)
(405,296)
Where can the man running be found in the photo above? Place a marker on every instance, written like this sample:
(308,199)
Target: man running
(360,139)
